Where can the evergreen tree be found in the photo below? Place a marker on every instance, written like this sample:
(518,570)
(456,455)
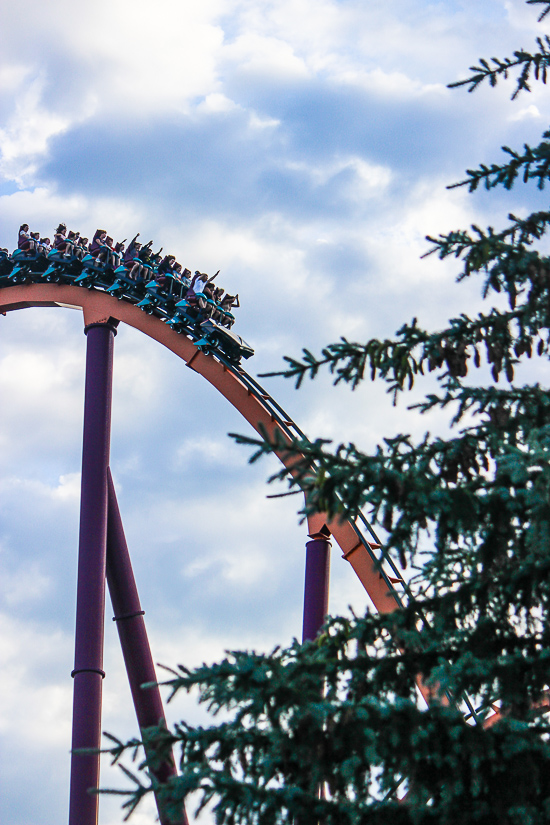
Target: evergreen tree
(477,620)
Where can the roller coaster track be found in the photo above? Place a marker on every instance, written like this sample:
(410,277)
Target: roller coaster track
(376,571)
(256,405)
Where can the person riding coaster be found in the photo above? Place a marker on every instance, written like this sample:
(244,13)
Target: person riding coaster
(26,255)
(90,262)
(170,277)
(138,269)
(222,314)
(24,241)
(97,262)
(125,284)
(183,277)
(83,247)
(164,268)
(45,246)
(197,294)
(5,261)
(65,259)
(118,253)
(60,238)
(97,242)
(228,302)
(129,256)
(71,245)
(110,255)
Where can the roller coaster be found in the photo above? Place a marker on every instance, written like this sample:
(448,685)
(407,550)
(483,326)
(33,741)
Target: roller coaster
(208,324)
(208,346)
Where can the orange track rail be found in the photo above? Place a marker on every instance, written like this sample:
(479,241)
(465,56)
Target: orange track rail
(99,307)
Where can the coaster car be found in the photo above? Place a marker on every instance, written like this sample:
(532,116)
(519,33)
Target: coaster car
(216,337)
(152,298)
(61,267)
(162,299)
(95,273)
(126,287)
(26,265)
(6,266)
(185,317)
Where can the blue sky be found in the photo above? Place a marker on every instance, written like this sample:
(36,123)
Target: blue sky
(301,147)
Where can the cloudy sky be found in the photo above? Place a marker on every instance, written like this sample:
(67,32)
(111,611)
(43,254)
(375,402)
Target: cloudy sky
(301,147)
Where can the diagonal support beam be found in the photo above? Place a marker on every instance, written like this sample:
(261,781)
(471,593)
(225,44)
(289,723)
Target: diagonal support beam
(133,637)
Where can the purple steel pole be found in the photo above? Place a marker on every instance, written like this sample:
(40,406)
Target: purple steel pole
(90,599)
(316,586)
(316,598)
(133,636)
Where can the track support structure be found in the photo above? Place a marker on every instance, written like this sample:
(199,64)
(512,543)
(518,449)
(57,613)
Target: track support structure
(103,554)
(316,588)
(90,598)
(133,638)
(316,585)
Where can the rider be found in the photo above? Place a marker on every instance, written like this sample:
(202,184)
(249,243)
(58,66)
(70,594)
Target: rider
(227,303)
(118,253)
(165,267)
(71,244)
(82,248)
(24,240)
(97,242)
(45,246)
(199,289)
(60,238)
(131,253)
(142,267)
(107,254)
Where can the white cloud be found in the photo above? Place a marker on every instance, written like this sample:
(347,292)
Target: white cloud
(266,56)
(68,487)
(209,450)
(396,85)
(12,77)
(34,710)
(370,180)
(258,122)
(216,102)
(28,131)
(526,113)
(31,584)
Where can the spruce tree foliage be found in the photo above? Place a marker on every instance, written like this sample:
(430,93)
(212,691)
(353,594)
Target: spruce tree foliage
(342,713)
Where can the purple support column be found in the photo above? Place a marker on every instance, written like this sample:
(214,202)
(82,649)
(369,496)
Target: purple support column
(316,586)
(90,600)
(133,636)
(316,598)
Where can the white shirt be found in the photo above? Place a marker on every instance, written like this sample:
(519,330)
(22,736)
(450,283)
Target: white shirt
(199,284)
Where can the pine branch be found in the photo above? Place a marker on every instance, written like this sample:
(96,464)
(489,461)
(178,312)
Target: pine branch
(511,267)
(489,478)
(545,3)
(485,246)
(535,65)
(498,338)
(533,163)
